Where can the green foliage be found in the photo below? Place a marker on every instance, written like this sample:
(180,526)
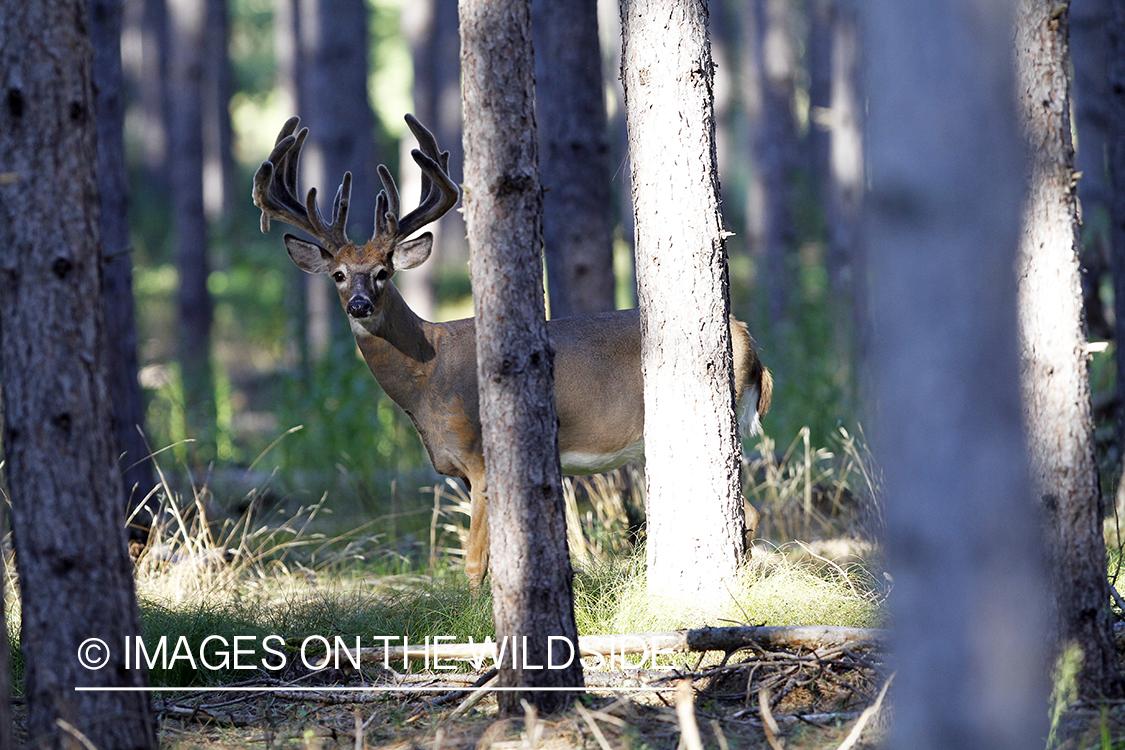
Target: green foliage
(348,420)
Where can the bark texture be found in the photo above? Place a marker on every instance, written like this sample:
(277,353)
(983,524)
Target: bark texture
(574,158)
(1055,375)
(75,575)
(117,282)
(695,520)
(532,582)
(942,233)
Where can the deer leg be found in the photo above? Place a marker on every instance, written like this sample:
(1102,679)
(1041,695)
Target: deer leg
(476,549)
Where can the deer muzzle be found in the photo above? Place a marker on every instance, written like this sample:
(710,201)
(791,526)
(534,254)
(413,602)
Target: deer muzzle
(360,307)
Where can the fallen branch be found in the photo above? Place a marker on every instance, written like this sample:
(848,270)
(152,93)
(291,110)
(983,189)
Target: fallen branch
(669,642)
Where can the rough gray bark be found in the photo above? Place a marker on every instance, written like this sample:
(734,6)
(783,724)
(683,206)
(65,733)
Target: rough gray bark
(532,582)
(61,465)
(1055,376)
(185,163)
(769,75)
(336,109)
(1115,161)
(430,27)
(574,157)
(117,281)
(942,232)
(691,436)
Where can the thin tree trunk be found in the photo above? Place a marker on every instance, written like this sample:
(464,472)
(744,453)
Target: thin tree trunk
(186,18)
(1089,20)
(769,72)
(219,190)
(117,280)
(532,582)
(336,109)
(75,575)
(574,148)
(1056,382)
(942,231)
(691,437)
(1115,161)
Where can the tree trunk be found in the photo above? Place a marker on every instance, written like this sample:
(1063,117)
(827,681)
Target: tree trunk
(846,182)
(1089,21)
(691,436)
(942,232)
(186,18)
(219,190)
(117,281)
(1056,381)
(1115,159)
(430,27)
(333,75)
(531,575)
(574,144)
(769,73)
(75,576)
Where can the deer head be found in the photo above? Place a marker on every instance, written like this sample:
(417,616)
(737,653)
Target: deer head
(361,273)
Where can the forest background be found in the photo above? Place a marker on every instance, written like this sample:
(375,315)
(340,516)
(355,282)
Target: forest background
(238,348)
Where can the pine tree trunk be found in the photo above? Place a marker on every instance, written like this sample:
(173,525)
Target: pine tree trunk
(1115,160)
(695,519)
(336,109)
(530,568)
(769,73)
(219,190)
(75,575)
(1056,382)
(117,281)
(574,150)
(942,230)
(185,163)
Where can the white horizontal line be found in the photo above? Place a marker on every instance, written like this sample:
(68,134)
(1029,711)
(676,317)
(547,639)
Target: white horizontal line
(381,689)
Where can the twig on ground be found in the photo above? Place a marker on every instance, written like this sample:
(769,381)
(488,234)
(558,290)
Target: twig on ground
(857,730)
(685,711)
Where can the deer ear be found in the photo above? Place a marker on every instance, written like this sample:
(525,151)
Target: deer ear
(413,252)
(309,256)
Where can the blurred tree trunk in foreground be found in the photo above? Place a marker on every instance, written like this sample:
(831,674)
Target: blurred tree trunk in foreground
(76,580)
(117,281)
(185,164)
(574,157)
(532,581)
(691,435)
(943,231)
(1055,374)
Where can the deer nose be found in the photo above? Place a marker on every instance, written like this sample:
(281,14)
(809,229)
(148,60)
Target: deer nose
(360,307)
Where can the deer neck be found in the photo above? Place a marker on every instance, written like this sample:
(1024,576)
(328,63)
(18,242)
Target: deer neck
(399,349)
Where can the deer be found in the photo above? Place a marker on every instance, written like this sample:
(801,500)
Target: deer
(429,369)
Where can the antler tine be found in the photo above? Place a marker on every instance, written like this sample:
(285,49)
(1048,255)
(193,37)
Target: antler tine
(275,192)
(439,193)
(441,196)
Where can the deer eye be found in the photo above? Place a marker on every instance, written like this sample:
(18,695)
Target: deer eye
(381,275)
(338,276)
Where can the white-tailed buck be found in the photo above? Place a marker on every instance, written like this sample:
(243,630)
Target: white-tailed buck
(429,369)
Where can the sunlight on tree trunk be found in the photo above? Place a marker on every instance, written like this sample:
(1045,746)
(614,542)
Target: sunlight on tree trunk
(1055,374)
(695,522)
